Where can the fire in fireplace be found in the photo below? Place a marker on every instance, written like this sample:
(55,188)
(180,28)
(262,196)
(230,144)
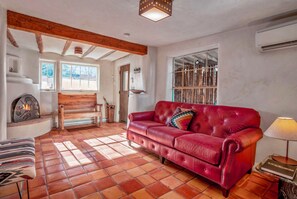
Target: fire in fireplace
(25,108)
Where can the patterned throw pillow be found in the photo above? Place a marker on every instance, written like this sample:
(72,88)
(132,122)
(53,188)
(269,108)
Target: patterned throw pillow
(181,119)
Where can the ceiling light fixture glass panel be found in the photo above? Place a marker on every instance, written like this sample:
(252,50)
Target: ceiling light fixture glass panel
(155,10)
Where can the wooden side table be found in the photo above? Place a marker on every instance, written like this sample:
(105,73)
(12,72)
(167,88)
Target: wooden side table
(287,189)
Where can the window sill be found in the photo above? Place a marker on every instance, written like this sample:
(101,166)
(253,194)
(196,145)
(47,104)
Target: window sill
(80,91)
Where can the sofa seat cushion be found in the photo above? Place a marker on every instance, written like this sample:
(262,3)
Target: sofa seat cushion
(141,127)
(201,146)
(165,135)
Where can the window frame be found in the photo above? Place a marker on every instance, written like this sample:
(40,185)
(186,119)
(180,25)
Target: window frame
(55,74)
(97,66)
(205,88)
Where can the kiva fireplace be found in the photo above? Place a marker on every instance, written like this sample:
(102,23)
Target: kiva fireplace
(25,108)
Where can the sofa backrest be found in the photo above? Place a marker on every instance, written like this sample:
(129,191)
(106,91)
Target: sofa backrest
(218,121)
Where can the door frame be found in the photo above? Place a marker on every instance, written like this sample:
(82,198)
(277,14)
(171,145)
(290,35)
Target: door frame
(120,88)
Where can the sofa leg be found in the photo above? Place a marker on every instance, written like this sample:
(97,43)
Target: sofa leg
(162,159)
(225,192)
(250,171)
(129,142)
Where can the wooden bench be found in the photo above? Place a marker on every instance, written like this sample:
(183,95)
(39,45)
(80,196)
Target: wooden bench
(78,106)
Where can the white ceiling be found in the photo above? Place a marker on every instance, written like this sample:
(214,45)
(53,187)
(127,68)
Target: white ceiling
(55,45)
(191,18)
(50,44)
(24,39)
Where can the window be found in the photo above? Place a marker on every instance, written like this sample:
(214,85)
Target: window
(195,77)
(79,77)
(47,80)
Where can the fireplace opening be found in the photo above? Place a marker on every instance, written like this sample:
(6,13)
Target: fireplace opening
(25,108)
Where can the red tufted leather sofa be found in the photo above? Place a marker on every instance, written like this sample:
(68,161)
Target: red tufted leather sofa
(220,143)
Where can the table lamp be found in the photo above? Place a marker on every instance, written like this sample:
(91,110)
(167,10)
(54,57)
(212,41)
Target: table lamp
(283,128)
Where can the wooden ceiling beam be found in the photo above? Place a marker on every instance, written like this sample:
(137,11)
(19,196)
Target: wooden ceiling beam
(39,42)
(91,49)
(11,39)
(66,47)
(36,25)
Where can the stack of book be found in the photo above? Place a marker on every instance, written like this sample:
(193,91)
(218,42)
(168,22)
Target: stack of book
(280,169)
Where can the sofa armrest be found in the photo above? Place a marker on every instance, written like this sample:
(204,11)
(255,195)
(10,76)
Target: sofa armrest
(242,139)
(140,116)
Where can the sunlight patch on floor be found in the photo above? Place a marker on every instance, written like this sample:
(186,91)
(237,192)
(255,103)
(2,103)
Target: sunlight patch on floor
(93,142)
(124,150)
(115,146)
(71,154)
(69,145)
(60,146)
(106,140)
(107,152)
(70,159)
(81,157)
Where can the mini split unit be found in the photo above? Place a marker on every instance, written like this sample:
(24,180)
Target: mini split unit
(277,37)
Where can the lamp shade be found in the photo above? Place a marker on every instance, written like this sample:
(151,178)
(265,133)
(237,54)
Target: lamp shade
(283,128)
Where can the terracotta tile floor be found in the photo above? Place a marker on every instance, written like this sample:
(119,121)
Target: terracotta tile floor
(98,163)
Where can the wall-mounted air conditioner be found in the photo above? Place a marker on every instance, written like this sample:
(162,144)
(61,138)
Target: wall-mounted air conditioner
(277,37)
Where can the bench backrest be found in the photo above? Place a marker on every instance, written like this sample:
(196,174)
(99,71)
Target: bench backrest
(77,101)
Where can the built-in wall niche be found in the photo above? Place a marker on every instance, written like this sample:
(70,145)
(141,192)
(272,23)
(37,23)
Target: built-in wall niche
(13,65)
(137,81)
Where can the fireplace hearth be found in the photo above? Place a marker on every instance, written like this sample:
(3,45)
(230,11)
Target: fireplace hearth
(25,108)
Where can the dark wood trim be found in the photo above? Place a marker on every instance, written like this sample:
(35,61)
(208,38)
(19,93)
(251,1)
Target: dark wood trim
(39,42)
(124,94)
(66,47)
(11,39)
(36,25)
(91,49)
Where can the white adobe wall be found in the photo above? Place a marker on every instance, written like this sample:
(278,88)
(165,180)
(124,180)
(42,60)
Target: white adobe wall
(30,69)
(106,84)
(29,61)
(3,89)
(264,81)
(146,81)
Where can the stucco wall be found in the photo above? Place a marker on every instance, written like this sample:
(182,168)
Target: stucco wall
(146,81)
(264,81)
(3,88)
(29,68)
(29,61)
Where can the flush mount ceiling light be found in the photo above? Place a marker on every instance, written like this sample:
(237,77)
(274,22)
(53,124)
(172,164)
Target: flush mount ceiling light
(78,50)
(155,10)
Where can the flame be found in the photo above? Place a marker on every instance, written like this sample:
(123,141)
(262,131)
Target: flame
(26,107)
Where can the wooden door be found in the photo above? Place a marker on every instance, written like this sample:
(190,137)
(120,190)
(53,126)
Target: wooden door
(124,92)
